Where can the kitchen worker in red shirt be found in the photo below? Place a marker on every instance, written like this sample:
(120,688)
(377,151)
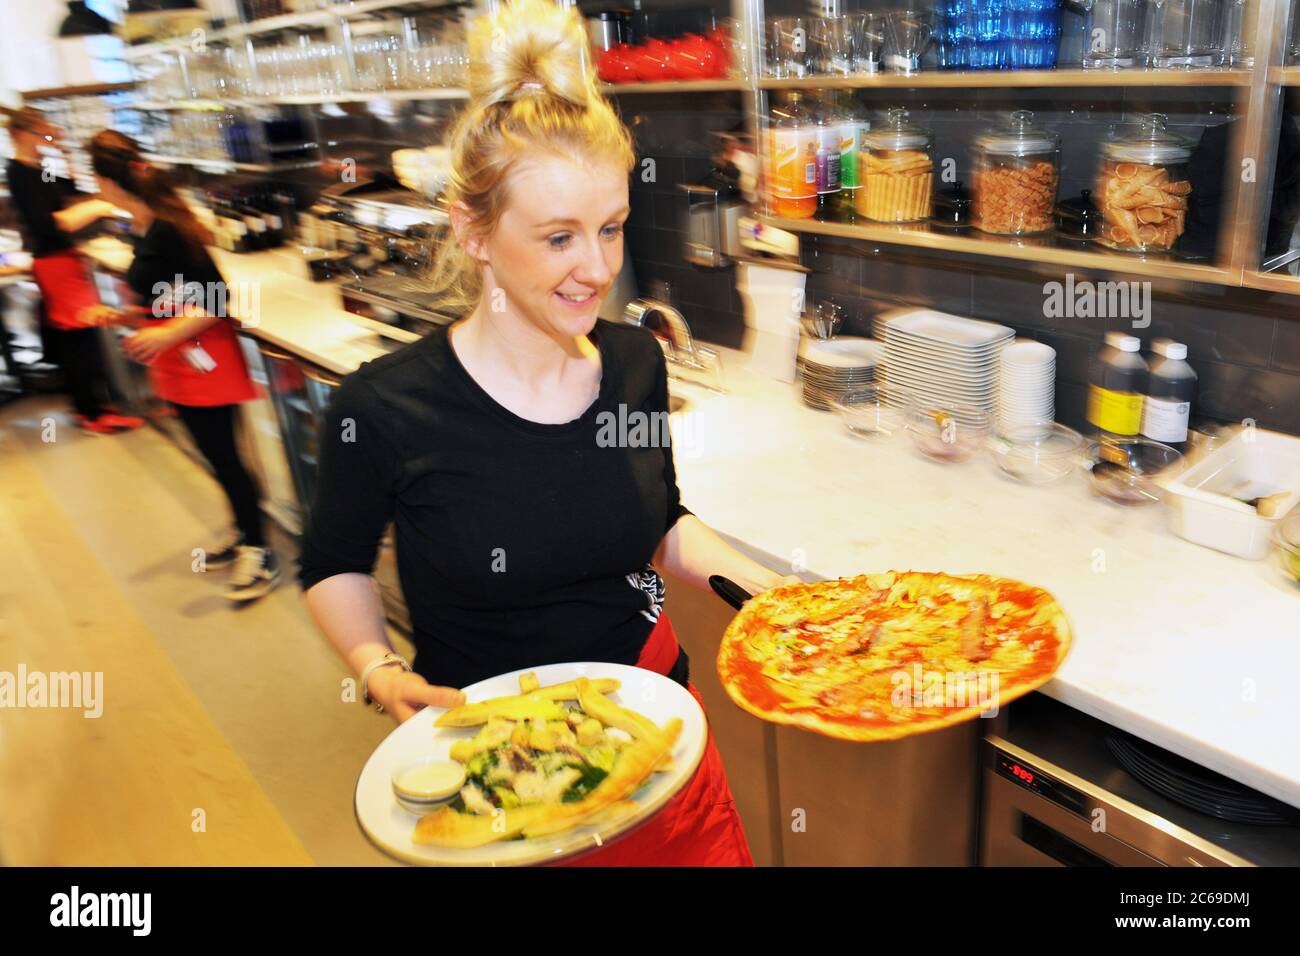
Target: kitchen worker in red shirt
(50,211)
(195,362)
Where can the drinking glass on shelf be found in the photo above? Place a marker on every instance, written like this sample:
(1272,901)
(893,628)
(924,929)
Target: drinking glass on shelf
(1186,33)
(907,34)
(833,50)
(1242,23)
(1114,32)
(787,52)
(868,42)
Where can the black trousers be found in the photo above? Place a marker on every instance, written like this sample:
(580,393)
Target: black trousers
(82,357)
(213,429)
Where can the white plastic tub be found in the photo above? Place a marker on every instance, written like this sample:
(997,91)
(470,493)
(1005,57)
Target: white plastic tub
(1205,499)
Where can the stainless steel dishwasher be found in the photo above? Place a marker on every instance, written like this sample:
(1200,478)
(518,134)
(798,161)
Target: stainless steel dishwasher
(1061,788)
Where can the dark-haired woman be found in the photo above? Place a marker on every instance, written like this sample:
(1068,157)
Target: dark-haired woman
(193,353)
(50,211)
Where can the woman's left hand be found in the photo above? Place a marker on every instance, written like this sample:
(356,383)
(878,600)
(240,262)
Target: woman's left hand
(147,344)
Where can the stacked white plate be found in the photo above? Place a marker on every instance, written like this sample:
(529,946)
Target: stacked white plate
(944,359)
(1026,384)
(835,367)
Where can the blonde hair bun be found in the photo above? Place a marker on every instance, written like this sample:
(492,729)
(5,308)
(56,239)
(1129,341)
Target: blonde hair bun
(532,90)
(528,47)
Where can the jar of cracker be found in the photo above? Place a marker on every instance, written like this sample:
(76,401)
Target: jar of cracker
(1016,173)
(896,171)
(1144,187)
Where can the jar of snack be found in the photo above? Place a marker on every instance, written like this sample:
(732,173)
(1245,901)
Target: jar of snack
(1144,187)
(792,160)
(896,171)
(1016,173)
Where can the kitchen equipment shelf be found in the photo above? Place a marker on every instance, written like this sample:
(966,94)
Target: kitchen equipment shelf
(979,79)
(312,19)
(921,236)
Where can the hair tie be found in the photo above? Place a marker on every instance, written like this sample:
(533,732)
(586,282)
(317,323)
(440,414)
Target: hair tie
(530,88)
(139,165)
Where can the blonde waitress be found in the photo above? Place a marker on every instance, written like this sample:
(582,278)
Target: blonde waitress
(522,539)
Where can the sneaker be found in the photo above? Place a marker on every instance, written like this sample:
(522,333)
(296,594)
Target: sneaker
(121,422)
(97,426)
(225,552)
(256,572)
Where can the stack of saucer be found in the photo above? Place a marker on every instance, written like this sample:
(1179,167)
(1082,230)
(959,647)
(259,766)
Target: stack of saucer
(1026,384)
(834,367)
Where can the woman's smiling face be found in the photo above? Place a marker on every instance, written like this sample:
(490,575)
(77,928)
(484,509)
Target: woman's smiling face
(558,245)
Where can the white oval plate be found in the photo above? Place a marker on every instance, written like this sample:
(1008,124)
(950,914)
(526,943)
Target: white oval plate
(390,827)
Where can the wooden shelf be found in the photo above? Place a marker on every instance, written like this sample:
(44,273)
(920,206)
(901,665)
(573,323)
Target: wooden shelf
(1285,75)
(312,19)
(676,86)
(229,164)
(975,79)
(90,89)
(920,235)
(1272,282)
(307,99)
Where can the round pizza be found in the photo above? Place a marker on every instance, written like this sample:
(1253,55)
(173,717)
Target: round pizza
(881,656)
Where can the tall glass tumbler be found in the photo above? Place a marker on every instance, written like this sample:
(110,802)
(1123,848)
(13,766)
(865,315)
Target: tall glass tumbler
(832,49)
(868,42)
(1186,34)
(789,48)
(1114,33)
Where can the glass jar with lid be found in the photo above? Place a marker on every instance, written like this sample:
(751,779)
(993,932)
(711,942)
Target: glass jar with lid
(1016,173)
(1144,187)
(896,171)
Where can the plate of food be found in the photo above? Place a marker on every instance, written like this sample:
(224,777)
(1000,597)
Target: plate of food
(536,766)
(884,656)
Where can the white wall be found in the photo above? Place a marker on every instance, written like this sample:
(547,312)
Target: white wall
(27,57)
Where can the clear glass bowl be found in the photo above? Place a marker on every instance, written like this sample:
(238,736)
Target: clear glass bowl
(1127,470)
(875,411)
(1037,452)
(948,432)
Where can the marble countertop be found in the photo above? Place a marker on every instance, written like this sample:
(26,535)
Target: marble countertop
(1193,650)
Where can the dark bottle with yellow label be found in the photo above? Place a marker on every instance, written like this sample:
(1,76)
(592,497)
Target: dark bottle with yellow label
(1119,382)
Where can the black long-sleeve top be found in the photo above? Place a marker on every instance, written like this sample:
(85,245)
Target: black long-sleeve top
(36,200)
(518,543)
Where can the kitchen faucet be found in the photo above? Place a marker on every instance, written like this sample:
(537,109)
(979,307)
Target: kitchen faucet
(674,334)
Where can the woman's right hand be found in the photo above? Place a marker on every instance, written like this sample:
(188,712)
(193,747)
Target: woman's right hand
(402,693)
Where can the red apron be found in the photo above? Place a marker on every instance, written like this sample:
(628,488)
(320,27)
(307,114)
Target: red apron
(697,827)
(67,287)
(173,377)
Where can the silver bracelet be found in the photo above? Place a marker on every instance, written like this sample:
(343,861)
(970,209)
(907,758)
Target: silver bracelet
(373,666)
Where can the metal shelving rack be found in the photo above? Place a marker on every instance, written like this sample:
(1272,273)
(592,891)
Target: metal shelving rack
(1257,94)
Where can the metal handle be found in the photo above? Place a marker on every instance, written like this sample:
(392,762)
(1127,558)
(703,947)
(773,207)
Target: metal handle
(729,590)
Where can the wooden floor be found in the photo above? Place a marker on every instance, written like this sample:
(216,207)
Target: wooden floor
(224,738)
